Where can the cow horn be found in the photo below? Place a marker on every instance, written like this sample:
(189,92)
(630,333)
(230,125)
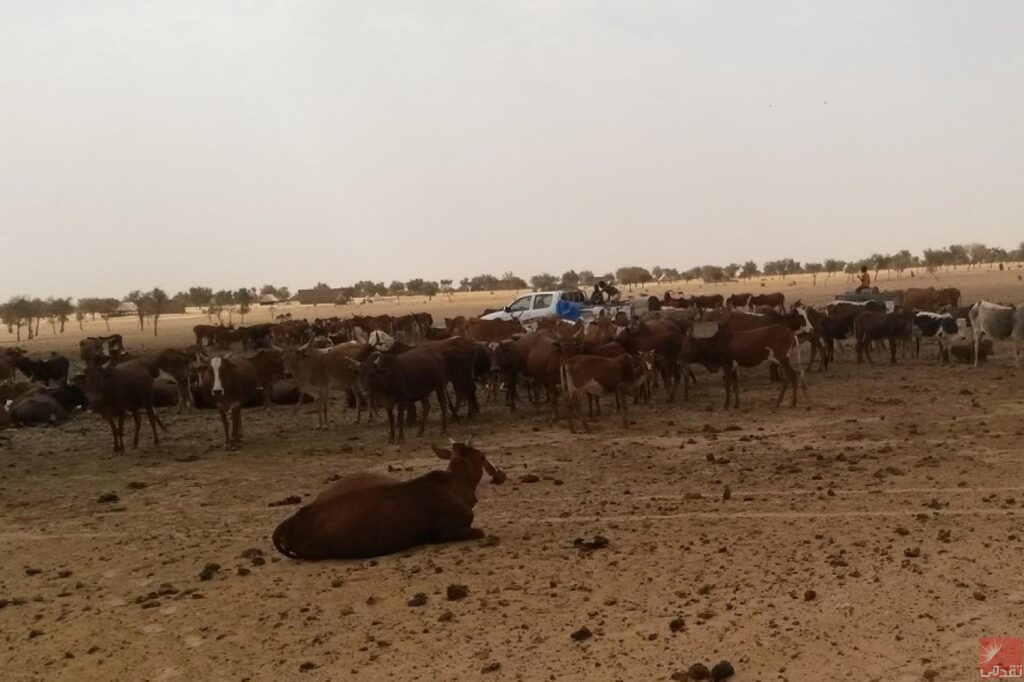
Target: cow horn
(441,452)
(469,440)
(497,475)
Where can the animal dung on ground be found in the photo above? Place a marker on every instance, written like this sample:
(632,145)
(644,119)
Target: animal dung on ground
(599,542)
(722,671)
(457,592)
(582,634)
(291,499)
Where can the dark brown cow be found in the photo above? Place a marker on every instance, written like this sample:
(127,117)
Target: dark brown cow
(269,368)
(894,327)
(728,351)
(702,303)
(116,389)
(403,379)
(229,382)
(177,364)
(367,514)
(486,331)
(776,300)
(738,301)
(665,338)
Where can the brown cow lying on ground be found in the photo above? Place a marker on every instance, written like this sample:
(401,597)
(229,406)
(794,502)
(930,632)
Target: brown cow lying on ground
(367,515)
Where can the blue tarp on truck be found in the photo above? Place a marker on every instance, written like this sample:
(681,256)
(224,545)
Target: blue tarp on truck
(567,311)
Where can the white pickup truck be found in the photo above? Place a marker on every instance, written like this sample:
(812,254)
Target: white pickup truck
(540,304)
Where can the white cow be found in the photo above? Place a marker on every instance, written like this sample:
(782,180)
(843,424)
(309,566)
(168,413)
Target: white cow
(999,322)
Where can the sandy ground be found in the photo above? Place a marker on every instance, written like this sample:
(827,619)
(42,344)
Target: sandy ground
(873,533)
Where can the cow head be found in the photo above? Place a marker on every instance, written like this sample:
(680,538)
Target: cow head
(468,463)
(216,367)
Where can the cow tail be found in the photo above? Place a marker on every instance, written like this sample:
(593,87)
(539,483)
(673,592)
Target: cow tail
(279,540)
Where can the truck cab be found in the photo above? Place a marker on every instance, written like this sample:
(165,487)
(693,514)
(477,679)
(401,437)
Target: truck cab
(536,304)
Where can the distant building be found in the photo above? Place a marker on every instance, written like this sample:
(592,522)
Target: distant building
(322,295)
(269,299)
(125,308)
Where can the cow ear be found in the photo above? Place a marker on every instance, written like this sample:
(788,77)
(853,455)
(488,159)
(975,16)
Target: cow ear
(227,355)
(441,452)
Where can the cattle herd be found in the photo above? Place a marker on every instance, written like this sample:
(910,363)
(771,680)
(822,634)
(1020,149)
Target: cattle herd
(399,364)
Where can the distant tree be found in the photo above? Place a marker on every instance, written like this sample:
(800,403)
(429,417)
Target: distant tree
(484,282)
(414,286)
(832,265)
(543,282)
(446,286)
(749,270)
(957,255)
(730,270)
(80,318)
(900,261)
(223,300)
(396,288)
(586,278)
(200,297)
(691,274)
(17,313)
(570,280)
(935,258)
(60,310)
(658,273)
(633,274)
(978,254)
(669,275)
(510,281)
(142,303)
(813,269)
(879,261)
(464,284)
(158,302)
(430,289)
(712,273)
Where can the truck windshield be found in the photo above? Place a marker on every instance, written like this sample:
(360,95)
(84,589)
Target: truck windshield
(542,301)
(520,304)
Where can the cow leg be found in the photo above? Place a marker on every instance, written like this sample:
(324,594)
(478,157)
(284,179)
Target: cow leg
(573,401)
(391,421)
(151,415)
(137,419)
(224,422)
(236,423)
(892,350)
(113,432)
(620,396)
(267,390)
(442,403)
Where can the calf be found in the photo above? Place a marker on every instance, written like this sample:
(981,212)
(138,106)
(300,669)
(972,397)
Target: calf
(594,375)
(403,379)
(116,389)
(110,346)
(870,326)
(933,326)
(663,337)
(998,322)
(367,515)
(229,382)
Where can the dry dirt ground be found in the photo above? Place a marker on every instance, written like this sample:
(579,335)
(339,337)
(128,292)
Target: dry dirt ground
(873,533)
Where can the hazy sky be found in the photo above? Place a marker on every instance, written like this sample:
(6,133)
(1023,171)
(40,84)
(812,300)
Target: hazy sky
(230,144)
